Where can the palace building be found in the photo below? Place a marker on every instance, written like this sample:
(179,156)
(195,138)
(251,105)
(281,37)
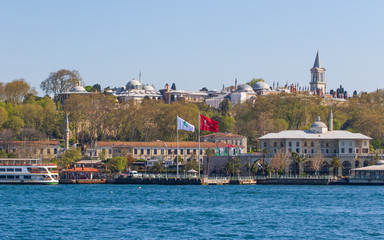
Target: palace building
(352,149)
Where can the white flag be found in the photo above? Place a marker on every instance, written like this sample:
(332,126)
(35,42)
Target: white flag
(184,125)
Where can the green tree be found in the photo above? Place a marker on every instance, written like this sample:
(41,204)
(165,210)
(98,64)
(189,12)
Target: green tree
(225,106)
(157,168)
(233,167)
(69,157)
(192,165)
(209,152)
(255,80)
(335,164)
(16,91)
(117,164)
(14,123)
(299,159)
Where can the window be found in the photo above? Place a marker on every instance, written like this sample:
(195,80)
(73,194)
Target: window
(169,151)
(327,150)
(357,150)
(155,151)
(312,151)
(305,144)
(55,151)
(181,151)
(148,151)
(2,169)
(275,144)
(2,176)
(48,151)
(365,143)
(201,152)
(297,144)
(289,144)
(194,151)
(175,151)
(298,150)
(10,177)
(27,177)
(110,151)
(17,169)
(327,144)
(312,144)
(188,151)
(10,169)
(141,151)
(41,151)
(281,144)
(342,150)
(135,151)
(265,144)
(350,150)
(305,150)
(162,151)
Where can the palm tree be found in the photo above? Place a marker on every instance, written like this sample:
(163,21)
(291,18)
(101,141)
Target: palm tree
(265,152)
(209,152)
(248,166)
(335,164)
(299,159)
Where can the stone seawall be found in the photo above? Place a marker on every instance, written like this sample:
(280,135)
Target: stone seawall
(159,181)
(293,181)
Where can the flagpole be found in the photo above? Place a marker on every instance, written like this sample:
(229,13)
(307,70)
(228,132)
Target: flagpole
(177,154)
(198,154)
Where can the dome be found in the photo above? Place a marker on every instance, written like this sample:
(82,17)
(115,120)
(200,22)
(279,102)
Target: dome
(318,127)
(133,84)
(261,86)
(149,88)
(245,88)
(78,89)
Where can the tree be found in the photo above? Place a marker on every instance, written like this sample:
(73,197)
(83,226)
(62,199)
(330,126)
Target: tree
(157,168)
(96,88)
(192,165)
(316,163)
(130,161)
(335,164)
(173,86)
(16,91)
(88,88)
(117,164)
(299,159)
(225,106)
(14,123)
(233,166)
(61,81)
(69,157)
(204,89)
(209,152)
(278,162)
(264,152)
(255,80)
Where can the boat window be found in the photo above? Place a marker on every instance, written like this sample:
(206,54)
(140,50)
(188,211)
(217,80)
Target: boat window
(17,169)
(2,176)
(27,177)
(10,169)
(2,169)
(10,177)
(17,176)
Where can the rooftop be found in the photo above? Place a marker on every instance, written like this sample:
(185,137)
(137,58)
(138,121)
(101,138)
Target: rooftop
(305,134)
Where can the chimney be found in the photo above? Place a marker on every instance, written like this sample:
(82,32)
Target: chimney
(331,121)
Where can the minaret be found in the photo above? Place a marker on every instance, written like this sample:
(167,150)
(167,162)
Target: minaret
(140,77)
(317,76)
(235,84)
(66,132)
(331,121)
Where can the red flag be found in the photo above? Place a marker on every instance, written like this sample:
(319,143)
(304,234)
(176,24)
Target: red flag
(207,124)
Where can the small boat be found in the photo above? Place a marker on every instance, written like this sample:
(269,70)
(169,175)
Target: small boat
(27,171)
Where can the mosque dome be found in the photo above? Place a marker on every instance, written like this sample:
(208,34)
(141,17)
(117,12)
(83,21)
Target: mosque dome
(318,126)
(149,88)
(261,86)
(133,84)
(78,89)
(245,88)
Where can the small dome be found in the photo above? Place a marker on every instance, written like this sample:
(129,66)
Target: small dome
(261,86)
(318,125)
(149,88)
(245,88)
(78,89)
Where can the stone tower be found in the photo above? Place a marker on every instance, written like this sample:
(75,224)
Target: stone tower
(317,83)
(331,121)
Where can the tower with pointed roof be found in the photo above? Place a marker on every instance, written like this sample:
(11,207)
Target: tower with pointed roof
(317,83)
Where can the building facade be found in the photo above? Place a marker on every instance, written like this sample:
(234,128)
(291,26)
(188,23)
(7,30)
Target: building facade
(352,149)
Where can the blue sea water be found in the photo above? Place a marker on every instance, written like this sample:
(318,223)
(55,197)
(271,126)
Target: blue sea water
(191,212)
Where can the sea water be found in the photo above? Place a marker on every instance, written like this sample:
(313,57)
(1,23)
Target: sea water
(191,212)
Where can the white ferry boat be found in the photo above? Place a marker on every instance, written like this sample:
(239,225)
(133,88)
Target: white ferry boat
(27,171)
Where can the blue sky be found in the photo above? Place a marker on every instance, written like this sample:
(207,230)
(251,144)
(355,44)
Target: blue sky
(193,43)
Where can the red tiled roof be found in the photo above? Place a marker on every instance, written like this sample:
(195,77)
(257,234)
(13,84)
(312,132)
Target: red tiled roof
(223,135)
(165,144)
(80,169)
(31,142)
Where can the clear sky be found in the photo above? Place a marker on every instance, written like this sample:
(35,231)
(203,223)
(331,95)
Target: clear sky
(195,43)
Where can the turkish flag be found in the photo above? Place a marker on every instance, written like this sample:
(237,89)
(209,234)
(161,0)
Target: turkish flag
(207,124)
